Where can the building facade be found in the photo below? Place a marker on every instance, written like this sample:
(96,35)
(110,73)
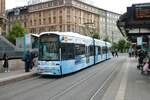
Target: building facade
(2,17)
(2,7)
(61,15)
(111,26)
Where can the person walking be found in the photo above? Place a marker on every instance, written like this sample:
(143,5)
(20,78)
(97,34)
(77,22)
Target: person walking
(130,52)
(32,59)
(116,53)
(5,65)
(112,53)
(28,61)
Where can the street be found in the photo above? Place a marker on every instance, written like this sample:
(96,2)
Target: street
(88,84)
(57,37)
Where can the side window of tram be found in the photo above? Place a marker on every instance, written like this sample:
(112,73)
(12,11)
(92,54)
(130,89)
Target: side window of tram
(67,51)
(91,50)
(99,50)
(104,50)
(79,49)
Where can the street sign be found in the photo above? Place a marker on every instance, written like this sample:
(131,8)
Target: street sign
(139,40)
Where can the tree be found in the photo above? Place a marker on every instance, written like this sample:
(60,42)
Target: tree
(96,35)
(107,39)
(16,31)
(114,45)
(121,44)
(128,45)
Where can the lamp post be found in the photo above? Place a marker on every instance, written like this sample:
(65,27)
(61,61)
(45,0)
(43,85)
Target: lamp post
(112,36)
(92,35)
(88,24)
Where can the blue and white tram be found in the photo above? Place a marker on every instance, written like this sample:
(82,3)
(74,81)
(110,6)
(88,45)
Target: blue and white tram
(66,52)
(109,45)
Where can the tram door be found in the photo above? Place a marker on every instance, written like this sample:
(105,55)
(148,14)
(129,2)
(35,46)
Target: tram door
(96,54)
(87,54)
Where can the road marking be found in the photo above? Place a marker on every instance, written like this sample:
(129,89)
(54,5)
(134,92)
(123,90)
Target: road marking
(91,74)
(105,82)
(122,89)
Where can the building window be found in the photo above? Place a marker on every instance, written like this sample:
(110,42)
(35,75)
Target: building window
(39,14)
(54,20)
(25,24)
(60,11)
(31,22)
(49,29)
(61,28)
(60,19)
(54,12)
(44,21)
(68,28)
(34,22)
(39,21)
(55,2)
(68,11)
(61,2)
(49,12)
(68,18)
(49,20)
(49,4)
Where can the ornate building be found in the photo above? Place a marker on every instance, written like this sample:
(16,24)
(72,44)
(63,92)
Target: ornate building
(56,15)
(59,15)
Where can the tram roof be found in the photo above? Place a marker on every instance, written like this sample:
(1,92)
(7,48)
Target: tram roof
(99,42)
(35,35)
(71,34)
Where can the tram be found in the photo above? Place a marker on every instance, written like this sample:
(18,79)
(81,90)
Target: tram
(62,53)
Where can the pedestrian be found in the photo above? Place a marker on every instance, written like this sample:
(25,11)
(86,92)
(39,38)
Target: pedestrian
(141,58)
(130,52)
(32,59)
(28,61)
(136,53)
(112,53)
(5,65)
(116,53)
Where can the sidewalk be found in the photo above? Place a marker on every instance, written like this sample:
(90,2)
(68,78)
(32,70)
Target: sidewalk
(129,84)
(12,76)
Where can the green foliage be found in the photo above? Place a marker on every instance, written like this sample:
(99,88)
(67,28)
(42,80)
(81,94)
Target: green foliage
(16,31)
(128,45)
(96,35)
(114,45)
(107,39)
(123,44)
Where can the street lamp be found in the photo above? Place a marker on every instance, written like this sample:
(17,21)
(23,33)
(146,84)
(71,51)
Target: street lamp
(91,34)
(112,36)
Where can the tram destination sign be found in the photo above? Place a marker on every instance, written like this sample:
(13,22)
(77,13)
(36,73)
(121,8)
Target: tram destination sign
(142,11)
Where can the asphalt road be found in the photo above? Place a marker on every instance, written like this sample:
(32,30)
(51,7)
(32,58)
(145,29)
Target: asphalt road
(88,84)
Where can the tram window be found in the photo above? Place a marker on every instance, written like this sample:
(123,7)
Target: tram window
(87,51)
(109,49)
(99,50)
(91,50)
(104,50)
(67,51)
(79,49)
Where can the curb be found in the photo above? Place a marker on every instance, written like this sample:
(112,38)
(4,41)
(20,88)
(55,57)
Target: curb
(16,78)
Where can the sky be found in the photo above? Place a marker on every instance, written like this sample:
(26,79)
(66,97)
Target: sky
(118,6)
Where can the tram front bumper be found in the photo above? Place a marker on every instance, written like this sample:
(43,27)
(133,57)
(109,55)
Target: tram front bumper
(49,71)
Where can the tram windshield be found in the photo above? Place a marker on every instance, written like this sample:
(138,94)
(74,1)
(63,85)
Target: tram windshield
(49,48)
